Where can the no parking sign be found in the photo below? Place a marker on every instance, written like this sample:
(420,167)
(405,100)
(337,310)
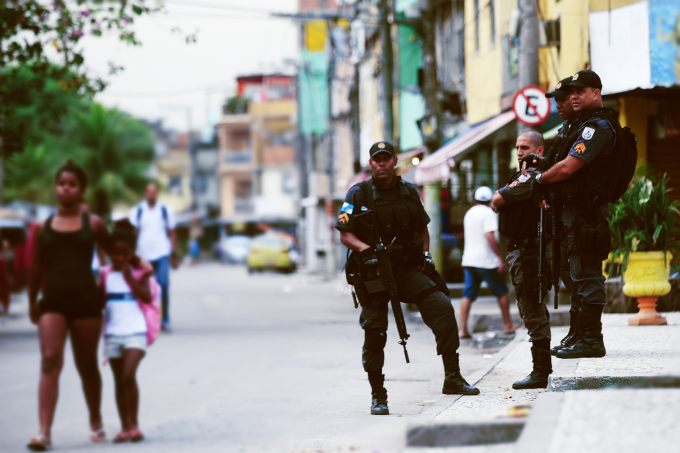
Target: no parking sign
(531,106)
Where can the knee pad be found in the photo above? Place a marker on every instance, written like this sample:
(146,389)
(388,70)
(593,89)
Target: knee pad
(375,340)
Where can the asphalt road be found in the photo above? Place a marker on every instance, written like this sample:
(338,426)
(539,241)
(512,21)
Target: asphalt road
(253,363)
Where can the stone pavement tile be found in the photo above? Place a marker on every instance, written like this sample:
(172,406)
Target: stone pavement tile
(618,421)
(496,387)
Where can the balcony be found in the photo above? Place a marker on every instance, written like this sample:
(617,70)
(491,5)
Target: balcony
(237,157)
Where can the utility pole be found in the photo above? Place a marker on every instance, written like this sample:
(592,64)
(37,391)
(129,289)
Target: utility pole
(528,50)
(388,69)
(430,88)
(330,205)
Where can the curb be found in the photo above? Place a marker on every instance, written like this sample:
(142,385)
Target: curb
(447,401)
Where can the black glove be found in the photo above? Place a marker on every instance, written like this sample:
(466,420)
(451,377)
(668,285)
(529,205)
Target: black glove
(428,262)
(532,160)
(538,191)
(370,260)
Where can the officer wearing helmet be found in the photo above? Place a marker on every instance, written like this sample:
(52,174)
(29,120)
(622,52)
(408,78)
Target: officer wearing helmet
(402,223)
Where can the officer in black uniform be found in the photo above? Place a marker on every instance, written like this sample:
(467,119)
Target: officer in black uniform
(402,222)
(518,221)
(585,174)
(562,96)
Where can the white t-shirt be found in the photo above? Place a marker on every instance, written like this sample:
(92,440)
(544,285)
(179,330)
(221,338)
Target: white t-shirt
(478,221)
(123,315)
(153,242)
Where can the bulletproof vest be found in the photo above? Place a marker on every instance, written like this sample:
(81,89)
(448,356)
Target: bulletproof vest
(519,220)
(396,216)
(588,187)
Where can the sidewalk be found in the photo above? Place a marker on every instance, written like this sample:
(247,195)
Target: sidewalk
(633,393)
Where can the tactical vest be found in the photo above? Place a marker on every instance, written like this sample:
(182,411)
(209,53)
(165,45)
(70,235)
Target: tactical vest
(589,186)
(519,221)
(397,218)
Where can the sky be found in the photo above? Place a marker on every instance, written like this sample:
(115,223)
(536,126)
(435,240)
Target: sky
(183,84)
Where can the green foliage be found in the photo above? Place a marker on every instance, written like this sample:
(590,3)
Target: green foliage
(115,149)
(644,219)
(35,102)
(235,105)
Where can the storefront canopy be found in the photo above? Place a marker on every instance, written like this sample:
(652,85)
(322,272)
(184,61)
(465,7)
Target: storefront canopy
(437,168)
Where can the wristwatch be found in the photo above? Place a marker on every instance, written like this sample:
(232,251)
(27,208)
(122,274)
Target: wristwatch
(538,178)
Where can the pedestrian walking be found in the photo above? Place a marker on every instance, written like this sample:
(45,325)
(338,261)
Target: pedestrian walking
(482,260)
(402,224)
(132,323)
(71,303)
(595,164)
(157,242)
(518,221)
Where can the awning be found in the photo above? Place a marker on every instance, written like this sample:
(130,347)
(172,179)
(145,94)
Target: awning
(436,167)
(408,155)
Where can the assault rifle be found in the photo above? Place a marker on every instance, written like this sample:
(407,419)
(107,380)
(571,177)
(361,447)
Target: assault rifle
(556,214)
(386,280)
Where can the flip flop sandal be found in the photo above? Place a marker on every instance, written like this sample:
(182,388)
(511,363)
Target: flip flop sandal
(39,443)
(136,435)
(98,436)
(121,437)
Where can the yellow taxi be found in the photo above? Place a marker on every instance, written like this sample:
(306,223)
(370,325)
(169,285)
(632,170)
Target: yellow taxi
(272,250)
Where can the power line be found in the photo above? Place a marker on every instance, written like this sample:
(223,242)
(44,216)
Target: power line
(179,92)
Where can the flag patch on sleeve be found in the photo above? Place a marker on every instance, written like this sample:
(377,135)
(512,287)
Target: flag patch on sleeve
(348,208)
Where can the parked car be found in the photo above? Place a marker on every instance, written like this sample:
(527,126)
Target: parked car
(272,250)
(234,249)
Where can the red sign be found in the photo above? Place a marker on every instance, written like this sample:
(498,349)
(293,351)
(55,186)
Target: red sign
(530,105)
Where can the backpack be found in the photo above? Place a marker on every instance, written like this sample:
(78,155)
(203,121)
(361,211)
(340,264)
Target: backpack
(151,310)
(164,213)
(624,163)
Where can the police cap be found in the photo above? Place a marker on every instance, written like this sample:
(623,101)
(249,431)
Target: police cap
(561,89)
(586,78)
(382,147)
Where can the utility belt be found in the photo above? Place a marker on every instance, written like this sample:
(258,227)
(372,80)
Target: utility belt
(516,244)
(587,232)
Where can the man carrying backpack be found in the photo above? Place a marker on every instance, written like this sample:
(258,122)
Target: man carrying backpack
(157,243)
(595,164)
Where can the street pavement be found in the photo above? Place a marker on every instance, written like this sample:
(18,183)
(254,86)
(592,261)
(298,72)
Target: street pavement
(265,362)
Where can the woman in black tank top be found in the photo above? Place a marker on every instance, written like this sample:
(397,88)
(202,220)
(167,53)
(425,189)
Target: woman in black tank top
(71,302)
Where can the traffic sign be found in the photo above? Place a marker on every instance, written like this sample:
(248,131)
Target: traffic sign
(530,105)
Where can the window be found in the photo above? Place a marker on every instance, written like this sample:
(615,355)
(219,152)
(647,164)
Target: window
(175,185)
(552,32)
(476,25)
(492,18)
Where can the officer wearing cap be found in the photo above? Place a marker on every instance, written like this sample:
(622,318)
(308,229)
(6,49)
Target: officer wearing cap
(402,222)
(518,221)
(585,181)
(562,96)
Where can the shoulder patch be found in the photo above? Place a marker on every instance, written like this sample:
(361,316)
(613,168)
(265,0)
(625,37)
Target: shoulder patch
(588,133)
(522,178)
(514,184)
(343,218)
(580,148)
(348,208)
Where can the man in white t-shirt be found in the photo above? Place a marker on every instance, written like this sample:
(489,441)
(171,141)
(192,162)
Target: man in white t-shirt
(156,241)
(482,260)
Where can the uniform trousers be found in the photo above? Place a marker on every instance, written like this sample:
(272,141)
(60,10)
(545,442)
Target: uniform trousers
(435,307)
(533,311)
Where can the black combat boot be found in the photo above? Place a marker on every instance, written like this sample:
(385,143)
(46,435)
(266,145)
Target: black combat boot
(591,343)
(379,405)
(573,335)
(538,379)
(454,384)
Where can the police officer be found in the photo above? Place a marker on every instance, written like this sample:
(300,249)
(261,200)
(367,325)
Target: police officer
(402,222)
(518,221)
(562,96)
(583,173)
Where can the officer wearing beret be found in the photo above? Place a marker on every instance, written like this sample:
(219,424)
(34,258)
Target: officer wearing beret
(402,222)
(518,221)
(586,183)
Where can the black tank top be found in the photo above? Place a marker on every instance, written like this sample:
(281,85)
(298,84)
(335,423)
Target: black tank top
(67,263)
